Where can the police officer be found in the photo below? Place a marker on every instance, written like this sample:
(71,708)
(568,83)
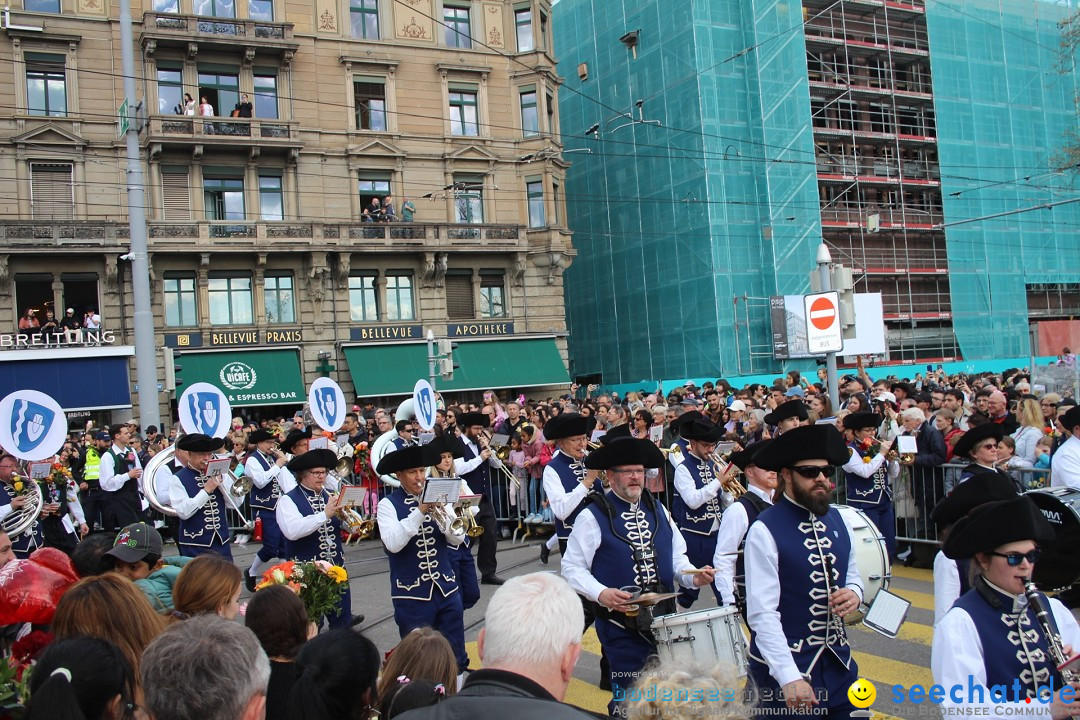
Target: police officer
(266,468)
(90,494)
(870,475)
(200,501)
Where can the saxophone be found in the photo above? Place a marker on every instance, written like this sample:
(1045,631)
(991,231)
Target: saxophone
(1047,625)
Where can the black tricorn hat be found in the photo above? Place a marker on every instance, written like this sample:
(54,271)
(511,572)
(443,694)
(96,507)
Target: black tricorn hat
(806,442)
(860,420)
(1071,418)
(257,436)
(684,418)
(783,411)
(407,458)
(994,524)
(444,443)
(975,435)
(294,437)
(565,425)
(619,431)
(197,442)
(471,419)
(702,429)
(313,459)
(625,451)
(980,488)
(745,458)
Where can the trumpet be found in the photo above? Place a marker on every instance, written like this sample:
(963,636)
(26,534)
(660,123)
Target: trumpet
(733,485)
(446,521)
(359,527)
(675,450)
(465,522)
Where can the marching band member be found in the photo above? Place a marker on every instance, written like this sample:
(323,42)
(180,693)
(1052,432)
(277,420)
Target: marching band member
(728,560)
(799,653)
(474,467)
(423,587)
(119,475)
(676,458)
(869,475)
(697,503)
(624,539)
(266,468)
(308,518)
(33,537)
(294,445)
(951,576)
(199,500)
(787,416)
(566,481)
(404,429)
(993,641)
(441,454)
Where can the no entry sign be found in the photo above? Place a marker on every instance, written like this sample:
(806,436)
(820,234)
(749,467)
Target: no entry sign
(823,331)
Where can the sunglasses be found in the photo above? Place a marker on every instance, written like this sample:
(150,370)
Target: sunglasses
(1014,559)
(810,472)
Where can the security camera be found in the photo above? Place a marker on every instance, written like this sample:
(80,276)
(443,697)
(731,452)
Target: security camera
(127,257)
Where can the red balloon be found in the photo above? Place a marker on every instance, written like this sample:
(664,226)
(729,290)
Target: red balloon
(31,588)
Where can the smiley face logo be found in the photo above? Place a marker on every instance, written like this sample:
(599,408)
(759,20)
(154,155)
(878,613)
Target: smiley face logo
(862,693)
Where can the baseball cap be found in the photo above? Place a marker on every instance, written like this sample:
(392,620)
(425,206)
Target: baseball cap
(70,310)
(102,435)
(885,396)
(795,391)
(135,542)
(737,405)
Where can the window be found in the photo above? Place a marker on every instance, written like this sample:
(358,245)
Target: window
(51,191)
(230,299)
(170,91)
(364,15)
(543,32)
(523,26)
(363,299)
(261,10)
(530,119)
(369,99)
(175,193)
(278,297)
(549,109)
(46,84)
(271,199)
(492,294)
(223,198)
(167,6)
(215,8)
(555,203)
(399,297)
(469,198)
(459,295)
(534,190)
(456,21)
(221,88)
(180,300)
(463,113)
(44,6)
(373,185)
(266,105)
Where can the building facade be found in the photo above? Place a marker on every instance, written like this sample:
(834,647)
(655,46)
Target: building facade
(269,127)
(733,136)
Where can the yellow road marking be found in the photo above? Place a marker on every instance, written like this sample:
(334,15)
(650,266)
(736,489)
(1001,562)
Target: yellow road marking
(910,631)
(924,601)
(891,672)
(911,573)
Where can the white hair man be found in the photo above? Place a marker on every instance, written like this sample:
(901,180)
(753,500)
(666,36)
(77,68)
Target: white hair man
(205,668)
(529,646)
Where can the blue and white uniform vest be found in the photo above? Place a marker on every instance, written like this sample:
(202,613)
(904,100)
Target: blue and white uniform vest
(803,542)
(754,506)
(571,474)
(1013,644)
(424,564)
(635,545)
(209,522)
(325,542)
(701,520)
(871,491)
(266,497)
(33,537)
(479,478)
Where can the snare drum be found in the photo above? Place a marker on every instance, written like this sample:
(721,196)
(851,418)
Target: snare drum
(1059,566)
(871,558)
(715,633)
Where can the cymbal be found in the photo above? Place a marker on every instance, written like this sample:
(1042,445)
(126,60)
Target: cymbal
(650,599)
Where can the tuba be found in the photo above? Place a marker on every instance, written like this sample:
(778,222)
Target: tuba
(22,519)
(155,481)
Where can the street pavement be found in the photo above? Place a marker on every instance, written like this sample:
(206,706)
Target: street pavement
(884,661)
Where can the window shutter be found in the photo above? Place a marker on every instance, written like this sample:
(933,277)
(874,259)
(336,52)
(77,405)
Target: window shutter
(176,196)
(51,191)
(459,296)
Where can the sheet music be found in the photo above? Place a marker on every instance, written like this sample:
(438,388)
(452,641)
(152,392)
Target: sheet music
(218,466)
(319,443)
(441,490)
(353,495)
(40,470)
(906,444)
(887,613)
(426,437)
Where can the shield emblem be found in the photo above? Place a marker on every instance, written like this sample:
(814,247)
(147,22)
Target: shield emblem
(30,423)
(327,401)
(426,410)
(206,411)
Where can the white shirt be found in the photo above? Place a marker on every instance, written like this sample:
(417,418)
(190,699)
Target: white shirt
(206,110)
(107,477)
(856,466)
(956,658)
(186,506)
(694,496)
(463,466)
(1065,465)
(946,585)
(286,481)
(763,600)
(396,534)
(259,477)
(732,532)
(584,541)
(562,503)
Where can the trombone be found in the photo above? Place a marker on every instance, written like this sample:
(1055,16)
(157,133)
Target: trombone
(675,451)
(502,452)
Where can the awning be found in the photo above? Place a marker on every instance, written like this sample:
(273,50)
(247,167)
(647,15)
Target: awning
(393,368)
(76,383)
(247,377)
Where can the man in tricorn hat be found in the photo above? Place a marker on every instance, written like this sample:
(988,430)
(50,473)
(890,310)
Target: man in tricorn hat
(788,415)
(870,474)
(269,479)
(474,467)
(199,500)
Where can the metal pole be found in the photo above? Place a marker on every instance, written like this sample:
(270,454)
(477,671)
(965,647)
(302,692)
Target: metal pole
(145,347)
(431,358)
(824,259)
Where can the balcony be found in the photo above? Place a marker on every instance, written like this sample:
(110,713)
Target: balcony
(187,131)
(228,34)
(37,235)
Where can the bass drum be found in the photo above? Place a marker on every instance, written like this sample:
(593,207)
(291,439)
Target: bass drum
(156,478)
(384,444)
(1059,566)
(871,557)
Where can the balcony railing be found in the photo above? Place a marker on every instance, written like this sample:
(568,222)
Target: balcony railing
(193,28)
(228,130)
(369,235)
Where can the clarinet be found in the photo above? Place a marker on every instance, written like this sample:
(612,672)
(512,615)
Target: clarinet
(1053,639)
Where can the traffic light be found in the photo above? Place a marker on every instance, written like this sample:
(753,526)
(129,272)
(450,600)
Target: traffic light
(444,347)
(172,379)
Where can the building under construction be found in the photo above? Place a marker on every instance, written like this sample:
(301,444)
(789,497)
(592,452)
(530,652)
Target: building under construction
(731,136)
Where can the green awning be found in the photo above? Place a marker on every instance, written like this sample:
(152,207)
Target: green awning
(393,369)
(247,377)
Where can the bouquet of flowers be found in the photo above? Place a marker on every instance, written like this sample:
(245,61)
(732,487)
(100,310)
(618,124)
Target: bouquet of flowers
(361,459)
(15,671)
(869,448)
(319,584)
(56,486)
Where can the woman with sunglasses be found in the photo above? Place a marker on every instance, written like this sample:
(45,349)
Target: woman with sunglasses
(977,645)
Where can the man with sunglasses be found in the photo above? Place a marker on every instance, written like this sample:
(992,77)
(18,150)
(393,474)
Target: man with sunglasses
(800,660)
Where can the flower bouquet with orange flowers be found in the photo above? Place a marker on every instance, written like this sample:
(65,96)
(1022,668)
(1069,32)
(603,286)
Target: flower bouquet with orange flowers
(319,584)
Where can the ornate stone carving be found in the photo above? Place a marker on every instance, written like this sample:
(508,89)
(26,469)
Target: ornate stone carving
(463,233)
(317,278)
(344,267)
(149,48)
(502,232)
(434,269)
(517,273)
(192,48)
(111,271)
(3,273)
(288,231)
(168,231)
(331,231)
(20,232)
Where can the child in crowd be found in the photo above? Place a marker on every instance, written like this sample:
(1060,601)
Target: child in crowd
(518,468)
(408,695)
(137,555)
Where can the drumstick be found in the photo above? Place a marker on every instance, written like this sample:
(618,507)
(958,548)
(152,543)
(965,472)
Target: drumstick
(692,571)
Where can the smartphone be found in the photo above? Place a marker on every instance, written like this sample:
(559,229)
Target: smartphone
(929,368)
